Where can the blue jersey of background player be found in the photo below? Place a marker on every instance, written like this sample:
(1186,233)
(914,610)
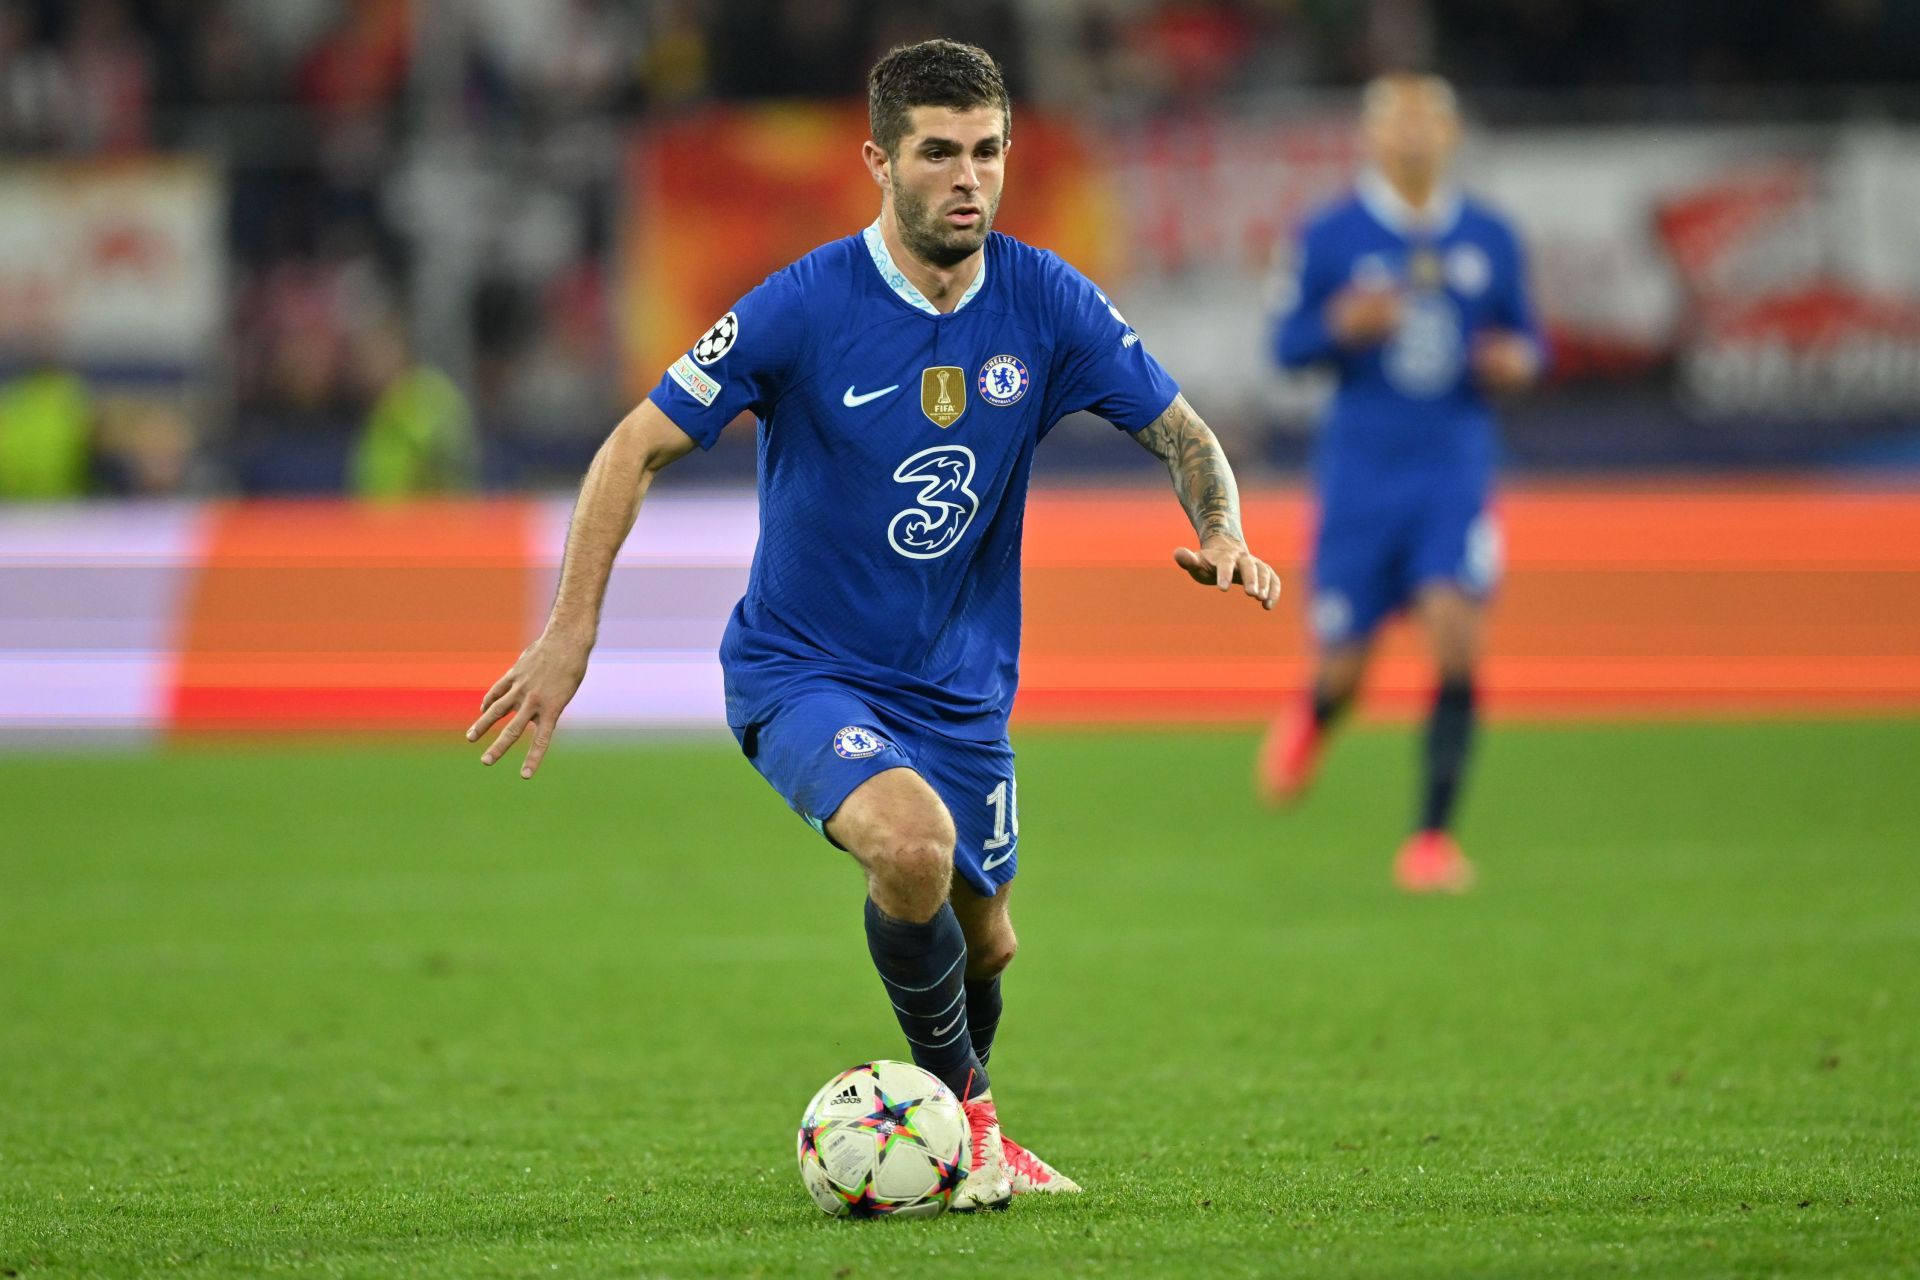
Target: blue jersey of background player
(902,377)
(1416,298)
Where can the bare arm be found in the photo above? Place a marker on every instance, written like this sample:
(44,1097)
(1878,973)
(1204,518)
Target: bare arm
(623,470)
(1201,477)
(1203,481)
(540,684)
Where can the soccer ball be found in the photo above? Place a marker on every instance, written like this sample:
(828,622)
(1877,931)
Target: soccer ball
(883,1139)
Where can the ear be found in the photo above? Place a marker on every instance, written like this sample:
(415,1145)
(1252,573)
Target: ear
(875,157)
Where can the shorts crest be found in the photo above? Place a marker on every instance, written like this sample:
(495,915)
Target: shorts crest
(856,742)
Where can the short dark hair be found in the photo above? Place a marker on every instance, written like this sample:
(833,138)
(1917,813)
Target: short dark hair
(933,73)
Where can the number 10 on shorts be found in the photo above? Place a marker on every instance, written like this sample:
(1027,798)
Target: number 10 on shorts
(1005,800)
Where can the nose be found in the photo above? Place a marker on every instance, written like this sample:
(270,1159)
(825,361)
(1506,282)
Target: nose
(965,178)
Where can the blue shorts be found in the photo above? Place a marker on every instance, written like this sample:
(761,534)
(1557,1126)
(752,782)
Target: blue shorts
(823,741)
(1370,560)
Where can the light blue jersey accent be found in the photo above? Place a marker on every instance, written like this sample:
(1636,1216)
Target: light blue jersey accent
(895,446)
(897,280)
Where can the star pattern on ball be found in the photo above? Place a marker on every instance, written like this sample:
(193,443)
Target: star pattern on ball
(862,1204)
(893,1120)
(952,1174)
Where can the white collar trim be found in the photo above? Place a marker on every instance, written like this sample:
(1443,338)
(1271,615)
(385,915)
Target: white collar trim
(1393,212)
(897,279)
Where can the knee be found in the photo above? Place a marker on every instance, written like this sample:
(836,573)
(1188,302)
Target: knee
(1338,685)
(1453,626)
(911,869)
(991,957)
(1339,673)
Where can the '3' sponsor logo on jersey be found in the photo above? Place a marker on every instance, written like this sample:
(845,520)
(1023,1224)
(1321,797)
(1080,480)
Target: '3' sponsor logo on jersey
(944,506)
(1424,358)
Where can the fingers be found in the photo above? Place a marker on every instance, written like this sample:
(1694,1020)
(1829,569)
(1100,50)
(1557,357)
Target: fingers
(1237,566)
(526,711)
(509,735)
(497,705)
(499,687)
(542,735)
(1269,593)
(1257,577)
(494,704)
(1201,566)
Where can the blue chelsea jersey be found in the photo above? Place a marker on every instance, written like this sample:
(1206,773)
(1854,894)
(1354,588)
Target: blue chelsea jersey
(1407,411)
(895,448)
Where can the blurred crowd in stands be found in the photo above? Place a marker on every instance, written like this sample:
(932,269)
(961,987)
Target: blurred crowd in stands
(318,111)
(94,75)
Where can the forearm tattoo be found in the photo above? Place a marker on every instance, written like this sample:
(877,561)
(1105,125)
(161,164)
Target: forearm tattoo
(1201,476)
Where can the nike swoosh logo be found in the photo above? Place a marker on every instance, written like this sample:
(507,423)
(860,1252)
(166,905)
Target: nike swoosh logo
(853,401)
(940,1031)
(988,864)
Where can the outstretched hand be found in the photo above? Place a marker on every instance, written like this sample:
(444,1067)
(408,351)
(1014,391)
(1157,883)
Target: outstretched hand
(535,690)
(1223,561)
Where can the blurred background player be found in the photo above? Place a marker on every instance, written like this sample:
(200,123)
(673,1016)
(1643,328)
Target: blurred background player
(419,437)
(1416,297)
(47,422)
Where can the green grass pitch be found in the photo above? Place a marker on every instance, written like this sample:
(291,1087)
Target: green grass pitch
(379,1012)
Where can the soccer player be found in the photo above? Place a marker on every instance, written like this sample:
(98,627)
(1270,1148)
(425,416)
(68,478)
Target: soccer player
(902,378)
(1416,298)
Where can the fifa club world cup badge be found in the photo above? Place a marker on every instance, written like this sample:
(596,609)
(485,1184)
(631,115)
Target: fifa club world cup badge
(1003,380)
(943,394)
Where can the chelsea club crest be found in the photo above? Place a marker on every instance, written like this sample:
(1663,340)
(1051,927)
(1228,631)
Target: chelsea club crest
(857,743)
(1003,380)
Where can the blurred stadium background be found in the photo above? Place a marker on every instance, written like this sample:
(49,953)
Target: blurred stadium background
(311,314)
(259,258)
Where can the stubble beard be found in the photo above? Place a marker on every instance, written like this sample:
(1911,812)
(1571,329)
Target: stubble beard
(930,239)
